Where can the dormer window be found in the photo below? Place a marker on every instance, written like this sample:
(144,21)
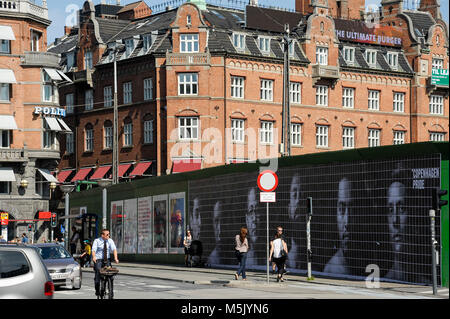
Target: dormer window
(264,44)
(189,43)
(239,41)
(147,39)
(371,58)
(392,59)
(349,55)
(129,47)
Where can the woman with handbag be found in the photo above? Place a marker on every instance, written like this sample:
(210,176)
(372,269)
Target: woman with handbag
(241,249)
(279,251)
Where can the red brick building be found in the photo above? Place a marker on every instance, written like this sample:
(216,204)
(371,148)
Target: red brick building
(201,85)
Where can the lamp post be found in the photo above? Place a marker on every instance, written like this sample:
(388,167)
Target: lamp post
(52,188)
(104,183)
(115,159)
(66,189)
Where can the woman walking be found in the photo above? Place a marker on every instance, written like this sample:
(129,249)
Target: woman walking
(241,250)
(187,246)
(279,251)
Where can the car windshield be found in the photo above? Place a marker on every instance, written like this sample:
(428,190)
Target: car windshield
(54,252)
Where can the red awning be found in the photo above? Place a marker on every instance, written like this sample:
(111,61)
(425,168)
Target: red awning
(140,169)
(188,165)
(81,174)
(62,176)
(123,168)
(100,172)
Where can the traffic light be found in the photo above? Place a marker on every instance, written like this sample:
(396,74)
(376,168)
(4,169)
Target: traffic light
(309,206)
(30,227)
(438,202)
(53,220)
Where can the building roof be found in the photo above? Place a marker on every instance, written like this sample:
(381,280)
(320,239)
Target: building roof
(422,21)
(270,19)
(130,6)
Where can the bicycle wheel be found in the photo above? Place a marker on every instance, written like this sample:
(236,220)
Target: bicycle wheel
(102,287)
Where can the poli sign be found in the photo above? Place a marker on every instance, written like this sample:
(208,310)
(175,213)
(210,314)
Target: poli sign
(50,111)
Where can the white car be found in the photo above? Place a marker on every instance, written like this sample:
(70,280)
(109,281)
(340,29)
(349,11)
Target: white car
(63,269)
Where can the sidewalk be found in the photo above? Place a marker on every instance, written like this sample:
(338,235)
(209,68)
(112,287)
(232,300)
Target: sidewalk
(205,276)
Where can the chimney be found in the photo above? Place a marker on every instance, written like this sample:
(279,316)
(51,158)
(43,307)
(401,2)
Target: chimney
(118,2)
(67,30)
(431,6)
(254,3)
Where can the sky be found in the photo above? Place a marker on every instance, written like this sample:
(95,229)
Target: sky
(63,12)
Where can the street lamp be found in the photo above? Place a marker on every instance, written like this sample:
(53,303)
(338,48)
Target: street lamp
(66,189)
(115,160)
(104,183)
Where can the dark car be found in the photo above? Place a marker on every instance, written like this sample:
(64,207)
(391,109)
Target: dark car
(63,269)
(23,274)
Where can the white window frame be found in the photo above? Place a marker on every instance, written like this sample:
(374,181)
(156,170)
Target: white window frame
(35,40)
(189,43)
(148,89)
(70,103)
(5,90)
(349,55)
(49,140)
(374,137)
(437,104)
(321,95)
(147,42)
(187,82)
(348,97)
(127,92)
(437,63)
(399,102)
(371,58)
(48,88)
(89,140)
(107,137)
(188,128)
(129,47)
(108,96)
(5,138)
(266,132)
(70,143)
(292,49)
(88,62)
(295,92)
(266,90)
(296,134)
(392,60)
(322,136)
(437,137)
(128,134)
(239,41)
(237,130)
(5,46)
(399,137)
(237,87)
(264,44)
(148,132)
(348,137)
(88,99)
(374,100)
(321,55)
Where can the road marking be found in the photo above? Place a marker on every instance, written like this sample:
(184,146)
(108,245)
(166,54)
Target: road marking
(161,286)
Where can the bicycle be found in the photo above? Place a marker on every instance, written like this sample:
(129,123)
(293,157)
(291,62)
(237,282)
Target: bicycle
(107,275)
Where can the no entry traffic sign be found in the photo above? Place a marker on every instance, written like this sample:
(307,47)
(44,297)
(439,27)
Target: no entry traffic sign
(267,181)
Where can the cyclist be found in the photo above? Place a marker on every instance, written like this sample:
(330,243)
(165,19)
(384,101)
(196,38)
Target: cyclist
(101,256)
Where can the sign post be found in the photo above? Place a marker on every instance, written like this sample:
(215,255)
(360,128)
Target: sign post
(267,183)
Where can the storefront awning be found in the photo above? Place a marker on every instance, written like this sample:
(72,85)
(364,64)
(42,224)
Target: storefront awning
(81,174)
(186,165)
(53,124)
(7,76)
(7,122)
(47,175)
(100,172)
(7,33)
(63,125)
(53,74)
(63,175)
(65,78)
(122,169)
(7,174)
(140,169)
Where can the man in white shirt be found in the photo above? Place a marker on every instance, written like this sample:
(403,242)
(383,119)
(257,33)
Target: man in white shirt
(102,254)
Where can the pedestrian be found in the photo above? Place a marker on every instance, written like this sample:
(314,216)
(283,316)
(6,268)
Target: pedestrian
(24,238)
(279,251)
(241,250)
(86,255)
(187,246)
(2,240)
(74,240)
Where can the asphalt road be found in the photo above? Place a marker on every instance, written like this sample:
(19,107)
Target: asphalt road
(134,287)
